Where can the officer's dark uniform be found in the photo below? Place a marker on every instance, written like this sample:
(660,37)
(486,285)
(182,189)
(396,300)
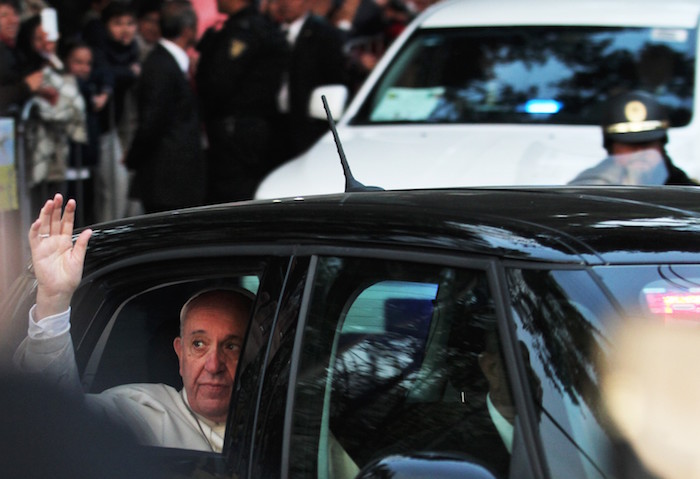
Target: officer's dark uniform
(238,78)
(636,117)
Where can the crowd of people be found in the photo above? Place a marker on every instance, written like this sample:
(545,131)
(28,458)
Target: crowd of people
(148,105)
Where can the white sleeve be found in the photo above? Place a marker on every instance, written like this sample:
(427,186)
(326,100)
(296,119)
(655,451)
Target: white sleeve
(48,350)
(49,327)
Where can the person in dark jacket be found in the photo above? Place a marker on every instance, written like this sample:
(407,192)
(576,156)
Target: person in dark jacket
(85,157)
(238,78)
(117,62)
(635,133)
(165,152)
(317,58)
(15,87)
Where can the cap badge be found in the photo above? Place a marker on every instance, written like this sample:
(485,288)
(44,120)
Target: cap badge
(635,111)
(237,47)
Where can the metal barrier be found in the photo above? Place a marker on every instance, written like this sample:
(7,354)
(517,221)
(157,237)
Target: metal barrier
(23,197)
(26,200)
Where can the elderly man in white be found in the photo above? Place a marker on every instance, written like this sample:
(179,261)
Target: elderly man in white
(212,327)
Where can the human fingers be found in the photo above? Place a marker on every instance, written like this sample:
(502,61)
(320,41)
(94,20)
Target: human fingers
(80,246)
(68,218)
(34,230)
(34,80)
(45,218)
(55,227)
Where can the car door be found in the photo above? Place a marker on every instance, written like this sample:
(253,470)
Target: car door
(388,357)
(125,316)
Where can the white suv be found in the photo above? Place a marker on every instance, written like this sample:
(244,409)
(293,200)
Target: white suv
(507,92)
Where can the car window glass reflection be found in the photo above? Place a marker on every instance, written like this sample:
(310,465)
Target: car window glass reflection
(413,365)
(564,318)
(530,74)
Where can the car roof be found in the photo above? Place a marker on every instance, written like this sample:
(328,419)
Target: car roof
(648,13)
(585,225)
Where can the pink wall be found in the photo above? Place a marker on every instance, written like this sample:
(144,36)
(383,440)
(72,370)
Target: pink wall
(207,15)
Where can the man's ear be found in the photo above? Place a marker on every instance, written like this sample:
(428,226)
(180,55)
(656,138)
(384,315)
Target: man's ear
(488,364)
(177,345)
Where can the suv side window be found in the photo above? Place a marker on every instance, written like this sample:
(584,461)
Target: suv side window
(139,345)
(399,358)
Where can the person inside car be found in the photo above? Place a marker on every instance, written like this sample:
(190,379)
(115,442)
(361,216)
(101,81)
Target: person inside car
(635,133)
(212,327)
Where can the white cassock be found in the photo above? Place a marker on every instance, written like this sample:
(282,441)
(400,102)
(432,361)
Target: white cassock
(158,414)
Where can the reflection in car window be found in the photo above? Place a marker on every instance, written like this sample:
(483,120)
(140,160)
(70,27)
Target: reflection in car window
(668,293)
(553,75)
(399,358)
(564,317)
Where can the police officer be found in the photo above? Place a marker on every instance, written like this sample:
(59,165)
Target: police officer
(635,133)
(238,77)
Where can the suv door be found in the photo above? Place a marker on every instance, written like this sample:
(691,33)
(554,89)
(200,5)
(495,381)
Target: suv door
(124,319)
(389,357)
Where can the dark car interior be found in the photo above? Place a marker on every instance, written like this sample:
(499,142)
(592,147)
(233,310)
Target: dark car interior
(139,341)
(402,364)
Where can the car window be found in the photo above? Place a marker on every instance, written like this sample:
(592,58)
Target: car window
(564,318)
(393,361)
(124,322)
(533,74)
(137,346)
(666,293)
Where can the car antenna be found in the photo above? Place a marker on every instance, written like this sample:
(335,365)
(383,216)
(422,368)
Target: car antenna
(351,184)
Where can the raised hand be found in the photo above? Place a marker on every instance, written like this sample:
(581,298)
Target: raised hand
(57,262)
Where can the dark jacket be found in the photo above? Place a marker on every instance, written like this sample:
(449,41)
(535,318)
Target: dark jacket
(113,62)
(676,176)
(317,59)
(165,151)
(238,78)
(240,68)
(13,90)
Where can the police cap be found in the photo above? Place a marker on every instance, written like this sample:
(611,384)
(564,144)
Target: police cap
(634,117)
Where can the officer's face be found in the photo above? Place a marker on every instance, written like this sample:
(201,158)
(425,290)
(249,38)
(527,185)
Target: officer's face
(290,10)
(641,157)
(626,148)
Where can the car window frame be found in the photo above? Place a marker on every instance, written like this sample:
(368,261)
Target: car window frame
(97,310)
(529,461)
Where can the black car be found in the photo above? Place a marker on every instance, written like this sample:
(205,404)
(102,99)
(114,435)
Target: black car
(457,332)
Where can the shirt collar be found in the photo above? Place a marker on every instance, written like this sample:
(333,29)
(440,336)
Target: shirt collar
(180,55)
(294,29)
(504,428)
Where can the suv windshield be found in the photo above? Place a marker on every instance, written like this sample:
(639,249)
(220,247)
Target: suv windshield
(553,75)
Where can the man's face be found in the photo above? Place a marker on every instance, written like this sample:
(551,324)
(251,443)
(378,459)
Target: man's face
(9,24)
(208,352)
(122,29)
(638,156)
(149,28)
(290,10)
(626,148)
